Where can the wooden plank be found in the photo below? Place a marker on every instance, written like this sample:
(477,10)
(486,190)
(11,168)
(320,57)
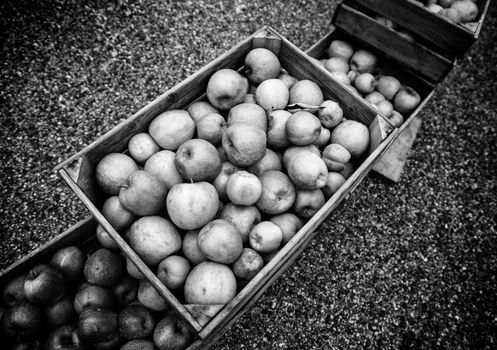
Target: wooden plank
(417,57)
(450,37)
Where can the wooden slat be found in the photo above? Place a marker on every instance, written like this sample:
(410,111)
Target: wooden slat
(426,62)
(451,38)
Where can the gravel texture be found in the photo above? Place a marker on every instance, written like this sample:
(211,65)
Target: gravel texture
(411,265)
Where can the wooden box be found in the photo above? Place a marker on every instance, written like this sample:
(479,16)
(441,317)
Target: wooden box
(78,172)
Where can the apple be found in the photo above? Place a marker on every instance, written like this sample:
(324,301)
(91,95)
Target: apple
(171,128)
(335,156)
(261,64)
(211,128)
(139,344)
(307,171)
(331,114)
(112,172)
(341,77)
(14,290)
(278,193)
(22,320)
(244,144)
(248,264)
(451,14)
(388,86)
(288,79)
(154,238)
(150,298)
(271,161)
(289,225)
(44,285)
(210,283)
(248,113)
(161,164)
(70,261)
(220,241)
(60,313)
(97,325)
(385,108)
(348,170)
(250,98)
(103,268)
(136,322)
(190,248)
(141,147)
(226,88)
(306,92)
(374,97)
(191,205)
(199,109)
(337,64)
(265,237)
(406,100)
(198,160)
(126,290)
(308,202)
(133,270)
(221,180)
(353,136)
(171,334)
(65,337)
(144,193)
(276,133)
(172,271)
(272,94)
(363,61)
(303,128)
(435,8)
(242,217)
(365,83)
(292,151)
(334,182)
(118,216)
(340,48)
(324,137)
(467,9)
(243,188)
(396,118)
(105,240)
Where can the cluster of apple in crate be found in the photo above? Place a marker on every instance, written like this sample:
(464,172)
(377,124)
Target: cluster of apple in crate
(358,71)
(75,301)
(240,189)
(458,11)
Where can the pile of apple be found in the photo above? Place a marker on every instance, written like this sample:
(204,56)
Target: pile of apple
(458,11)
(357,70)
(75,301)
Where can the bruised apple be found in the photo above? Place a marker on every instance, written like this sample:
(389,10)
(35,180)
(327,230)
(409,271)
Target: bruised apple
(103,268)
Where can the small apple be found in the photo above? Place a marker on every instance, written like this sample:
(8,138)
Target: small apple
(249,113)
(171,128)
(243,188)
(388,86)
(331,114)
(154,238)
(171,334)
(334,182)
(150,298)
(340,48)
(211,128)
(265,237)
(44,285)
(278,193)
(190,248)
(308,202)
(289,225)
(141,147)
(244,144)
(103,268)
(97,325)
(365,83)
(70,261)
(335,156)
(161,164)
(306,92)
(363,61)
(139,344)
(22,320)
(199,109)
(276,133)
(226,88)
(144,194)
(220,241)
(118,216)
(406,100)
(220,182)
(248,264)
(396,118)
(288,79)
(303,128)
(198,160)
(14,291)
(126,290)
(112,172)
(242,217)
(65,337)
(337,64)
(136,322)
(385,108)
(272,94)
(271,161)
(353,136)
(292,151)
(210,283)
(261,64)
(172,271)
(191,205)
(60,313)
(307,171)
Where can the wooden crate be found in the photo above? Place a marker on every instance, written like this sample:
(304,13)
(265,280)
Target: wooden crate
(452,39)
(78,170)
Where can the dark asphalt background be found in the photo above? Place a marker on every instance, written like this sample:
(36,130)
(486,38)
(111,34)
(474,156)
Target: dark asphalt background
(411,265)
